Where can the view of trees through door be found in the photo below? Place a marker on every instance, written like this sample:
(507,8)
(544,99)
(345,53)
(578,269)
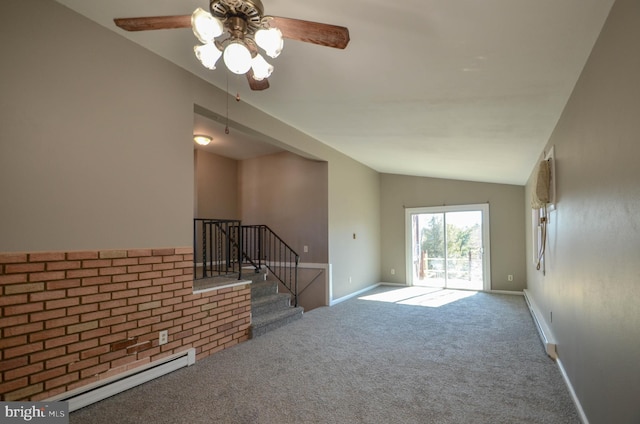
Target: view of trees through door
(448,247)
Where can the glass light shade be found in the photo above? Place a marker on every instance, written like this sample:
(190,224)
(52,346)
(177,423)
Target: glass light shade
(270,40)
(208,54)
(205,26)
(202,140)
(237,58)
(261,68)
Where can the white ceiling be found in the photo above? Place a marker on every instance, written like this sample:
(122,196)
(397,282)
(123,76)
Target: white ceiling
(460,89)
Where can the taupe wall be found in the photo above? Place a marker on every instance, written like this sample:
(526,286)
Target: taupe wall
(216,180)
(290,195)
(592,281)
(96,148)
(506,222)
(354,208)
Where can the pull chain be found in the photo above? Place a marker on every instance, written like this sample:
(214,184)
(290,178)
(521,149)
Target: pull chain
(237,91)
(226,128)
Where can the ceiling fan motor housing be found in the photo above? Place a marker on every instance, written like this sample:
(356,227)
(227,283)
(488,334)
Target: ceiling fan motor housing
(250,11)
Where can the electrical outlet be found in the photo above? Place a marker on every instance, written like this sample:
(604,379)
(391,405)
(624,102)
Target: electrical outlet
(306,249)
(393,271)
(510,277)
(349,280)
(164,337)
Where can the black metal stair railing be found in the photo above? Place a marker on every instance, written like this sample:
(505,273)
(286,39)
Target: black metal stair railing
(221,247)
(217,247)
(266,248)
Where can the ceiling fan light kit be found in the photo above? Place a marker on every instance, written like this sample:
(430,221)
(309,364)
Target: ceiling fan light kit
(239,49)
(235,29)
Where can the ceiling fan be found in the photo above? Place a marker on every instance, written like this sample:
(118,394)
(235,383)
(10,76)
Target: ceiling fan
(235,29)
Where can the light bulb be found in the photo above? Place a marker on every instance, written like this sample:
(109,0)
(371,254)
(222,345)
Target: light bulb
(261,68)
(237,57)
(205,26)
(208,54)
(270,40)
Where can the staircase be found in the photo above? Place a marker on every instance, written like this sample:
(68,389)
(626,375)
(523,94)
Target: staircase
(269,309)
(231,251)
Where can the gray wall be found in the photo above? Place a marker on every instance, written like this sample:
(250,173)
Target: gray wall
(592,281)
(507,237)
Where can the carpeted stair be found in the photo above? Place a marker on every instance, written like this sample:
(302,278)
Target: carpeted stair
(270,309)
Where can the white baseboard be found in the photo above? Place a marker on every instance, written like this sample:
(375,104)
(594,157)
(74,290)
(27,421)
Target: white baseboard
(545,332)
(352,295)
(572,392)
(514,293)
(550,347)
(91,393)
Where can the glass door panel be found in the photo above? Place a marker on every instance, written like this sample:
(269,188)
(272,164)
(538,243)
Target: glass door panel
(429,247)
(464,250)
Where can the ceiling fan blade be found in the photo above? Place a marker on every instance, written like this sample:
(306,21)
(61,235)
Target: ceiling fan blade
(154,22)
(255,84)
(312,32)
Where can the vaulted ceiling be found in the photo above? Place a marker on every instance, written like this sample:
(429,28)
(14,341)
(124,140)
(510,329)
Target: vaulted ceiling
(463,89)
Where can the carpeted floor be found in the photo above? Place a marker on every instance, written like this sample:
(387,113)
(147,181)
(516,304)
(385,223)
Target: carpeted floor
(393,355)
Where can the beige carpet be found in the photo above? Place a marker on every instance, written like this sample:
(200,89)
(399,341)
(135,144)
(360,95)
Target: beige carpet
(390,356)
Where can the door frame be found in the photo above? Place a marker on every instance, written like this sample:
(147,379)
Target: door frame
(486,247)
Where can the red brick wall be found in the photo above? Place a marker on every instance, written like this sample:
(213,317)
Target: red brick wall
(68,319)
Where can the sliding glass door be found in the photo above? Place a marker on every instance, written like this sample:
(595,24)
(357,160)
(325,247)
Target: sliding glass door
(448,247)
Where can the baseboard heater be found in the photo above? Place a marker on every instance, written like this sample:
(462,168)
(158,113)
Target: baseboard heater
(541,326)
(83,396)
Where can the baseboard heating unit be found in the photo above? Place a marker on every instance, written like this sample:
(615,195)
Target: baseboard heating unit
(541,326)
(103,389)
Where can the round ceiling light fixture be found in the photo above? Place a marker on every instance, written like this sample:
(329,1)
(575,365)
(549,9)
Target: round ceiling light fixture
(202,140)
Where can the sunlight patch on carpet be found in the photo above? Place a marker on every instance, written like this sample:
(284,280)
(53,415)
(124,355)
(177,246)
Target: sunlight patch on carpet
(420,296)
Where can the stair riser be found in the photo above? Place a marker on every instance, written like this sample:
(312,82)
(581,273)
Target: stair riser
(277,305)
(258,331)
(263,289)
(254,278)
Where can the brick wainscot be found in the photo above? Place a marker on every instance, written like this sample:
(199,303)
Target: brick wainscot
(68,319)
